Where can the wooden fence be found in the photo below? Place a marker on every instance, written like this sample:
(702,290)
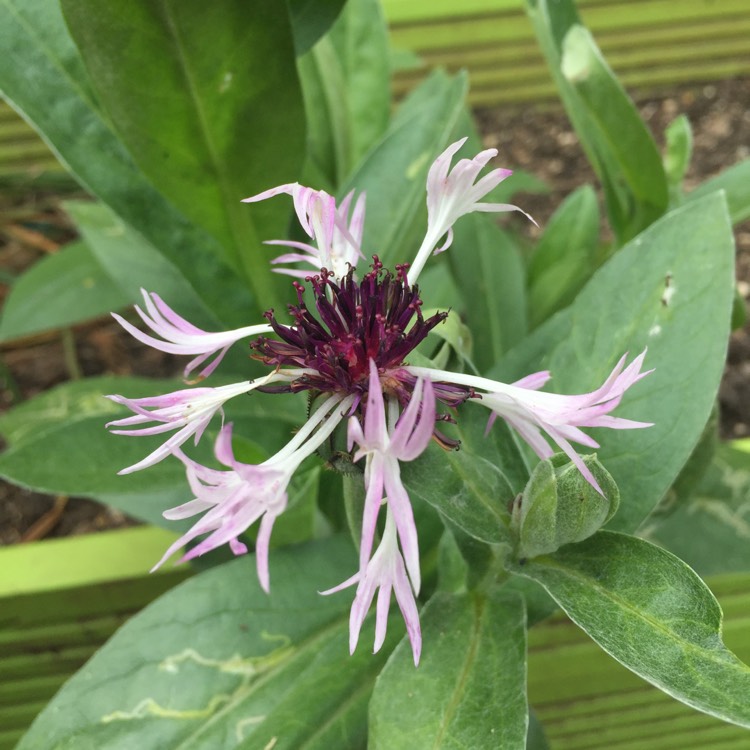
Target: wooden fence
(648,43)
(54,615)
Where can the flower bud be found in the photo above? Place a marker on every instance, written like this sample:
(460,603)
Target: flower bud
(559,506)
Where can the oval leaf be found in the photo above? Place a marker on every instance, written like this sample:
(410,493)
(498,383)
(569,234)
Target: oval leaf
(470,688)
(60,290)
(487,266)
(650,611)
(670,290)
(63,108)
(710,528)
(565,256)
(133,263)
(190,91)
(311,19)
(216,663)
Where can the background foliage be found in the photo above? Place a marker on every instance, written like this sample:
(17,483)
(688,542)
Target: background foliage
(168,116)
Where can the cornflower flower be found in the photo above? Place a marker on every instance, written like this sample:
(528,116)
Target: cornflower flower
(350,347)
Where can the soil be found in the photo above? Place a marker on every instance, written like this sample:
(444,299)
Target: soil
(538,139)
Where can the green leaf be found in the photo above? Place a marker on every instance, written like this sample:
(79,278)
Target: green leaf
(311,19)
(679,137)
(61,106)
(346,85)
(360,39)
(710,529)
(565,256)
(617,143)
(697,464)
(66,426)
(536,739)
(670,290)
(735,182)
(132,263)
(215,122)
(328,127)
(65,288)
(454,333)
(394,172)
(216,663)
(475,485)
(488,268)
(739,311)
(470,688)
(653,614)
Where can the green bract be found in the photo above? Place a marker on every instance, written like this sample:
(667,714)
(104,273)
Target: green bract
(559,506)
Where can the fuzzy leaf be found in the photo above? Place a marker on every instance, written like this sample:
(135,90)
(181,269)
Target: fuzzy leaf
(670,289)
(469,690)
(217,663)
(475,485)
(653,614)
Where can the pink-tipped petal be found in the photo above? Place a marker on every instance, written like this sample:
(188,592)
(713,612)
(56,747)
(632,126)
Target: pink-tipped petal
(453,193)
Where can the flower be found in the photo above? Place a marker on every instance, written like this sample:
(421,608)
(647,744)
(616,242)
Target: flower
(451,195)
(385,571)
(188,411)
(234,500)
(386,440)
(348,342)
(338,245)
(531,412)
(181,337)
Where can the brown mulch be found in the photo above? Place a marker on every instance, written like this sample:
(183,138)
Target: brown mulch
(538,139)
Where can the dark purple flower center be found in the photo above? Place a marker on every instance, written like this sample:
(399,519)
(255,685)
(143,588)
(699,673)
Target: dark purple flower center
(377,318)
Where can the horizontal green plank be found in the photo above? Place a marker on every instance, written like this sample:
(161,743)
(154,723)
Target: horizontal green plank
(505,79)
(102,599)
(406,11)
(414,11)
(15,129)
(48,175)
(462,27)
(641,697)
(644,64)
(19,717)
(9,739)
(691,72)
(628,49)
(23,152)
(29,690)
(690,736)
(619,723)
(106,556)
(648,44)
(7,112)
(44,664)
(50,624)
(63,635)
